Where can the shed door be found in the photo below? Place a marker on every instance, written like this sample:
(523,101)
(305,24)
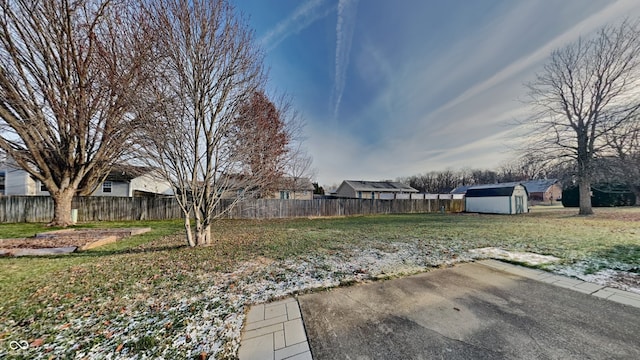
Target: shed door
(519,204)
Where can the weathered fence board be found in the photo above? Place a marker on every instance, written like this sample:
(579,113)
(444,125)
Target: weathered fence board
(40,208)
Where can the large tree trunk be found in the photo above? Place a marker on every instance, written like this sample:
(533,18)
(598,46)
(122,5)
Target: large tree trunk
(203,233)
(62,201)
(585,197)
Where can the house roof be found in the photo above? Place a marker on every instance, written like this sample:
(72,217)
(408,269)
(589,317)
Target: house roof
(460,189)
(295,183)
(124,172)
(542,185)
(504,189)
(379,186)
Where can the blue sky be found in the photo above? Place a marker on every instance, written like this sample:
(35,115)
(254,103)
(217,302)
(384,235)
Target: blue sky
(396,88)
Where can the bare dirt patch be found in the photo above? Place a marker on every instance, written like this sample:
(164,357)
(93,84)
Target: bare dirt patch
(68,238)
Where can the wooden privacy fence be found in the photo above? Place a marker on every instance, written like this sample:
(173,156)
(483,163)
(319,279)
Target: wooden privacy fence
(40,208)
(93,208)
(274,208)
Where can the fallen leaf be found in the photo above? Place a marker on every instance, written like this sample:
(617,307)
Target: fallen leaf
(65,326)
(37,342)
(119,347)
(203,356)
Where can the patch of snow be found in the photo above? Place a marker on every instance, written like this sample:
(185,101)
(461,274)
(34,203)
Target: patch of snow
(521,257)
(615,278)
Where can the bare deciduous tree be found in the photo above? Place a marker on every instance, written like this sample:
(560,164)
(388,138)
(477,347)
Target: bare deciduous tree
(210,69)
(582,87)
(623,163)
(70,74)
(299,169)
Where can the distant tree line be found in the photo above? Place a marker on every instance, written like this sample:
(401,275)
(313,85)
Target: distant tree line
(613,172)
(442,182)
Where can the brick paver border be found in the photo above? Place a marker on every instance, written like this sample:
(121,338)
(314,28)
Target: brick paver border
(274,331)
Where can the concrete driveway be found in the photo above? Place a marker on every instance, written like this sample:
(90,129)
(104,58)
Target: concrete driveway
(470,311)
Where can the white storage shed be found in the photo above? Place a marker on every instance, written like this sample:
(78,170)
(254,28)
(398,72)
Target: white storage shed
(508,198)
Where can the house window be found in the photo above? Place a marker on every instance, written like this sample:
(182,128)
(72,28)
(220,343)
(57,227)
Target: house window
(43,187)
(284,195)
(1,183)
(106,187)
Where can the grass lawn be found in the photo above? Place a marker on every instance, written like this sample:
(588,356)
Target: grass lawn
(151,295)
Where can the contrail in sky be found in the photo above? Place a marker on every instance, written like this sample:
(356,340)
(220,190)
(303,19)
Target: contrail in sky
(347,10)
(301,18)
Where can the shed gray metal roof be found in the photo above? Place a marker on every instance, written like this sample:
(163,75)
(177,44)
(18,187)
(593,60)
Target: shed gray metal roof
(532,186)
(379,186)
(503,189)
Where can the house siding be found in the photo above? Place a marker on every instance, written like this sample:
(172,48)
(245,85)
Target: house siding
(18,182)
(346,191)
(118,189)
(150,184)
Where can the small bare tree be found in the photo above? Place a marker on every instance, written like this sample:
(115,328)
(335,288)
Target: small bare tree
(580,86)
(210,70)
(299,169)
(71,73)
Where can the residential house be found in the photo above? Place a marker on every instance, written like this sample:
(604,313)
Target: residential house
(133,181)
(543,191)
(286,188)
(293,188)
(361,189)
(123,181)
